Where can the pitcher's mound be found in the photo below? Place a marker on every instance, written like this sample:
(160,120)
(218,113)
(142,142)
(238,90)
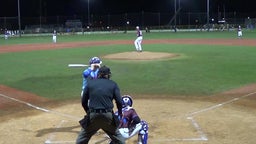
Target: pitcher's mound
(140,55)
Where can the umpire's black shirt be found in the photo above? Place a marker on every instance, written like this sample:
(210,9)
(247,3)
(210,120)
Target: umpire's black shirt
(100,94)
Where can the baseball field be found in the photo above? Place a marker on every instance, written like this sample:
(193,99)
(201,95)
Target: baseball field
(191,87)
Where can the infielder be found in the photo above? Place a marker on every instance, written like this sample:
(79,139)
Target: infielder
(239,32)
(130,122)
(54,36)
(138,40)
(91,72)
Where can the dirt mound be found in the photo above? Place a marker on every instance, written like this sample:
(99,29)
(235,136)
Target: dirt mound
(145,55)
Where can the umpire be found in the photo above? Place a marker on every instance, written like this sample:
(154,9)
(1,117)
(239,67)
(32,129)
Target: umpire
(97,102)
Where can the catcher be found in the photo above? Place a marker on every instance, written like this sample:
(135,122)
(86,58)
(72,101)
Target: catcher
(130,122)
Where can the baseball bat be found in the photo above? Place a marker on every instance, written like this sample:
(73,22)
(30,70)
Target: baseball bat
(77,65)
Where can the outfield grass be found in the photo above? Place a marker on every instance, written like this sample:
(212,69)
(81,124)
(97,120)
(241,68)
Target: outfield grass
(200,70)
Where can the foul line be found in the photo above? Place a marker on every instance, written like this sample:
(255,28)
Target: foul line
(42,109)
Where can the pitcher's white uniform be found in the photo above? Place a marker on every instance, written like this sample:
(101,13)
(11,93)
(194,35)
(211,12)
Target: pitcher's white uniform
(138,40)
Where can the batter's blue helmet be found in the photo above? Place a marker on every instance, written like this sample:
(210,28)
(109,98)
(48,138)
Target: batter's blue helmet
(95,60)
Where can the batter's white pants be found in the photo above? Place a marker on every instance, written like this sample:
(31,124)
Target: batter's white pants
(137,43)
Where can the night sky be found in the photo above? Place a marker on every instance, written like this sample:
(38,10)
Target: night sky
(8,8)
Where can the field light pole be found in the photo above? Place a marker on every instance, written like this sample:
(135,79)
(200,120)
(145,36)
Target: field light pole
(88,8)
(40,18)
(179,14)
(208,7)
(19,18)
(175,11)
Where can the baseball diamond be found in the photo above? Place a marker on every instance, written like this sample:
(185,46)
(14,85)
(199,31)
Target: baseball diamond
(226,117)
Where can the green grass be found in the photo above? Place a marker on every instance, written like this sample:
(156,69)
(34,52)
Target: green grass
(200,69)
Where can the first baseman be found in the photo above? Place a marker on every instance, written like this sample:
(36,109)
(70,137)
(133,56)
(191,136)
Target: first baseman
(138,40)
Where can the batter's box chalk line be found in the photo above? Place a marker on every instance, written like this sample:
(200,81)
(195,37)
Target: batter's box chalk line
(52,136)
(201,137)
(59,142)
(53,140)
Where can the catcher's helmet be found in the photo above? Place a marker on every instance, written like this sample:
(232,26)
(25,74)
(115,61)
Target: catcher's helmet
(126,100)
(95,60)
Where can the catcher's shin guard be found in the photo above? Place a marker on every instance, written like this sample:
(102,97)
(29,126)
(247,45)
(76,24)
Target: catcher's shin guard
(143,134)
(143,139)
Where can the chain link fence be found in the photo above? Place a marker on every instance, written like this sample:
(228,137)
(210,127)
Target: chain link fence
(127,21)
